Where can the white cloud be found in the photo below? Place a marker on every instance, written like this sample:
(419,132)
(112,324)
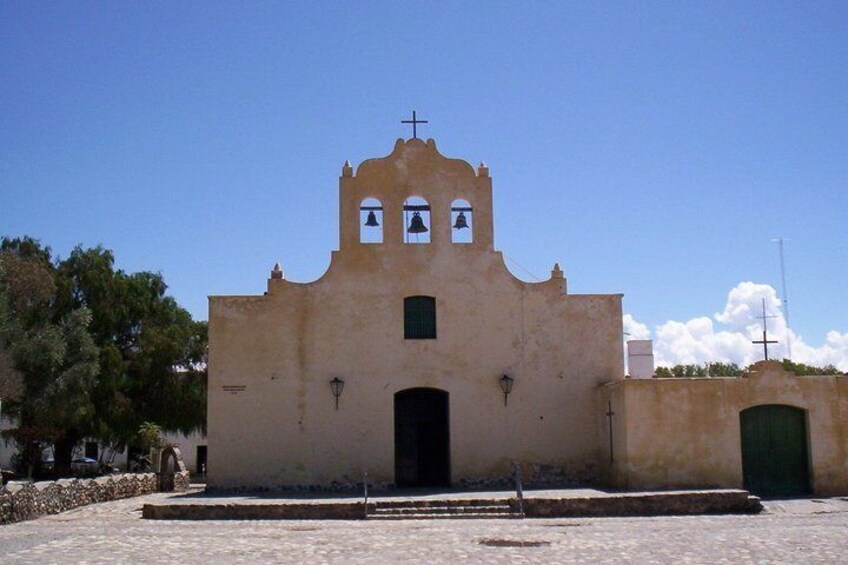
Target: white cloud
(745,302)
(635,330)
(699,340)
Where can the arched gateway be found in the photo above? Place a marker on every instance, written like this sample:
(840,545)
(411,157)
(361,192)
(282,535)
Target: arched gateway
(422,438)
(170,463)
(774,450)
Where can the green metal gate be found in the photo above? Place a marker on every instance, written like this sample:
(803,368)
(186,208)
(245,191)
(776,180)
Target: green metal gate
(774,450)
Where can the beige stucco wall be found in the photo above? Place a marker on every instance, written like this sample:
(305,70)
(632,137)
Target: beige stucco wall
(272,420)
(682,433)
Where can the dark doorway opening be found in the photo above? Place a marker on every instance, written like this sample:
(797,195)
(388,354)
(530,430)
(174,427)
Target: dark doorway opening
(422,438)
(200,460)
(774,450)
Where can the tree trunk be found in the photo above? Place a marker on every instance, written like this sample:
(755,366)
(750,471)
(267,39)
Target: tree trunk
(30,461)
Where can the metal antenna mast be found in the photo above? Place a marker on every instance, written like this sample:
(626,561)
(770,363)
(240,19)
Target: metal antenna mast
(779,241)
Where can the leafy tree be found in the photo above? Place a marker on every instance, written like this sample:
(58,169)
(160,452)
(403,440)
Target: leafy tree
(54,355)
(152,354)
(149,356)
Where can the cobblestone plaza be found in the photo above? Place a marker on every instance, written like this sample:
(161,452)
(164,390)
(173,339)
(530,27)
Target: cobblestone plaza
(788,532)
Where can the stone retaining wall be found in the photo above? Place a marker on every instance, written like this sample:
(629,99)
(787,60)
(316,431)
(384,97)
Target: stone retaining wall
(256,511)
(684,503)
(25,501)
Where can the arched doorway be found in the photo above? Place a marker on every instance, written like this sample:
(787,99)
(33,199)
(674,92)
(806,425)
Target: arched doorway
(422,438)
(774,450)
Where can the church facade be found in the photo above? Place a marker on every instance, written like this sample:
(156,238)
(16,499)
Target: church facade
(420,359)
(417,357)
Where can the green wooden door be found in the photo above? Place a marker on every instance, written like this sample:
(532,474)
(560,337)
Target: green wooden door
(774,450)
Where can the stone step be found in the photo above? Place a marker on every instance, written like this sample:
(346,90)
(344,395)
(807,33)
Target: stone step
(422,516)
(442,511)
(499,509)
(412,503)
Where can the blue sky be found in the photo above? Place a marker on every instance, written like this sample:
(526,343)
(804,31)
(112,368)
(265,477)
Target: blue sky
(653,149)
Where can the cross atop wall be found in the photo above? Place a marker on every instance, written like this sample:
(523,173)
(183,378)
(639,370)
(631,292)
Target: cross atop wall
(414,121)
(765,341)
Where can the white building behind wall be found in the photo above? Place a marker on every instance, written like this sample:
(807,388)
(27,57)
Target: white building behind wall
(192,447)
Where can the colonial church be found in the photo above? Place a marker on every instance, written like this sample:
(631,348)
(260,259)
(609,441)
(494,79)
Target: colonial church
(420,359)
(417,356)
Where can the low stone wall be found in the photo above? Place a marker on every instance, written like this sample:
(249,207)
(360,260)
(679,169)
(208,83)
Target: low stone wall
(25,501)
(182,480)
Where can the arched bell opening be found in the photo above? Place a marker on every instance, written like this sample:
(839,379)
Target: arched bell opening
(371,221)
(416,220)
(462,223)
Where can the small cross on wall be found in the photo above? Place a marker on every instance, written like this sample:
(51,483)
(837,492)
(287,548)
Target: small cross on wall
(609,416)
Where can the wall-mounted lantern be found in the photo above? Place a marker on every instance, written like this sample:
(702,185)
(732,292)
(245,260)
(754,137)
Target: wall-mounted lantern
(506,386)
(337,386)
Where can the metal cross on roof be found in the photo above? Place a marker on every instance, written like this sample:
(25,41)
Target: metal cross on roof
(765,341)
(414,121)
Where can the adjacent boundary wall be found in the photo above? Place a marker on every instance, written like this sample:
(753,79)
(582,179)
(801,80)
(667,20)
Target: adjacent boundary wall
(26,501)
(684,433)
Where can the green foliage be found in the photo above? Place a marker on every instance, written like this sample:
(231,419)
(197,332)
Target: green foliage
(715,369)
(100,351)
(149,436)
(801,369)
(26,248)
(152,353)
(719,369)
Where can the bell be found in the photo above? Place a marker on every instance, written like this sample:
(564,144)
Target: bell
(372,222)
(460,222)
(417,224)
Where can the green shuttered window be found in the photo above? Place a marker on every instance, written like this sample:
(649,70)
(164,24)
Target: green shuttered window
(419,317)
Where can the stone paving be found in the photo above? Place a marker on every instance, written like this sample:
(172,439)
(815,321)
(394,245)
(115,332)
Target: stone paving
(788,532)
